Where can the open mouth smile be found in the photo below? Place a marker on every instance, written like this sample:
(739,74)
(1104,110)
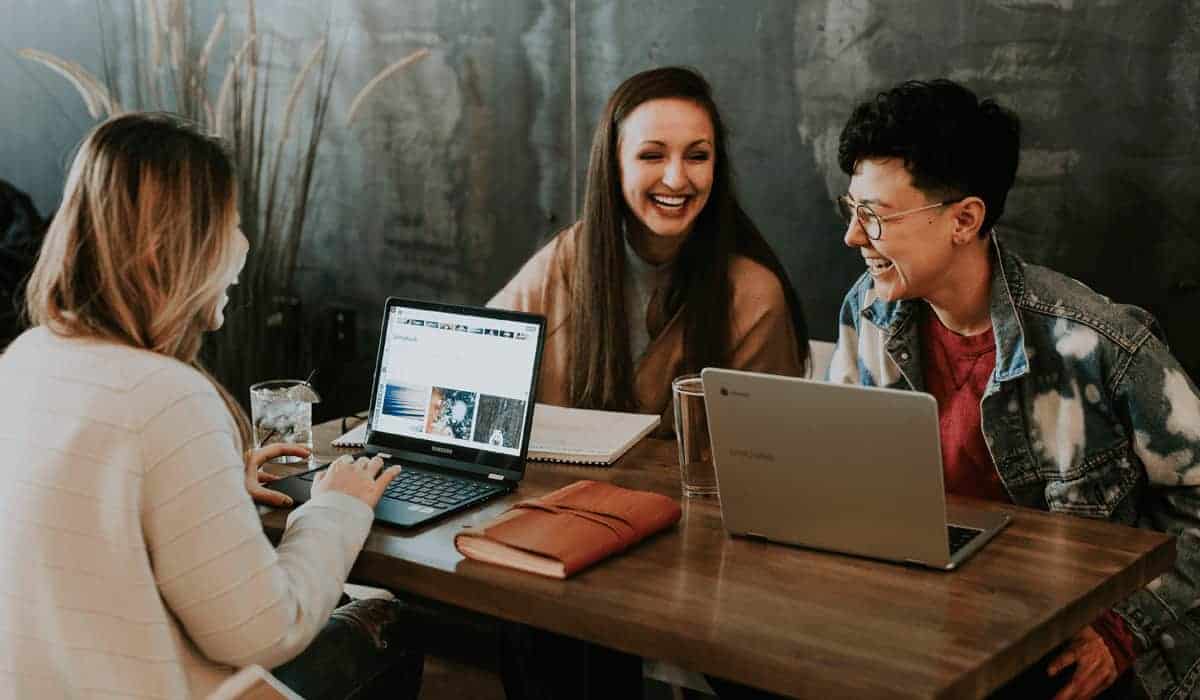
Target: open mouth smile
(669,201)
(878,266)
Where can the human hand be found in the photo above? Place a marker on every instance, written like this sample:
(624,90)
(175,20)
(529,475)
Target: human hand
(256,477)
(1095,669)
(359,478)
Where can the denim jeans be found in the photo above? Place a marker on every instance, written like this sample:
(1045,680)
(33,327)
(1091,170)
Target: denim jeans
(365,651)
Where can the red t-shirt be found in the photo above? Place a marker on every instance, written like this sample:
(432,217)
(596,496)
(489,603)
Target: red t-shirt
(957,369)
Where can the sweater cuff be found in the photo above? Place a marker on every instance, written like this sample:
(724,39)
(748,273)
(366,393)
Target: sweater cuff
(356,516)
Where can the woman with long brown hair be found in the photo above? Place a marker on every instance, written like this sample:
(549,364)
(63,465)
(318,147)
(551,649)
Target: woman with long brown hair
(665,273)
(134,562)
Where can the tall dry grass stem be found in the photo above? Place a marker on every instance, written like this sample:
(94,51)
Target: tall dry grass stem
(276,153)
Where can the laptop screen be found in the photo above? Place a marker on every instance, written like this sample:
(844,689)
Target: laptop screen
(456,383)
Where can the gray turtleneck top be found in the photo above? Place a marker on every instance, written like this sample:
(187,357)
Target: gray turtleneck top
(642,280)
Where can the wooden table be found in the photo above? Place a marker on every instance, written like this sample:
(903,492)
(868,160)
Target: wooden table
(789,620)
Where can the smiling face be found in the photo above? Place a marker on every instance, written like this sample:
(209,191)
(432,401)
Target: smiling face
(241,248)
(667,156)
(914,257)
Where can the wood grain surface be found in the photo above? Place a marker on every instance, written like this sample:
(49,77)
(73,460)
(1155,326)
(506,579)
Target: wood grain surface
(786,619)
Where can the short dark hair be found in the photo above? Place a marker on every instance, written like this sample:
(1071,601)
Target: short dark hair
(951,142)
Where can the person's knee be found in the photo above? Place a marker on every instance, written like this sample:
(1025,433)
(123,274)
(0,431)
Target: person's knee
(374,618)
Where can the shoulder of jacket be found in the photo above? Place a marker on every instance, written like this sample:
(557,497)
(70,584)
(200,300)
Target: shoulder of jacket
(750,279)
(554,257)
(1050,293)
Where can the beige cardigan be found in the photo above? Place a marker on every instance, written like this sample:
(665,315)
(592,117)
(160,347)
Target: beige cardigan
(763,338)
(133,561)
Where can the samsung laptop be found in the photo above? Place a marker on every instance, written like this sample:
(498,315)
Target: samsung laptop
(836,467)
(452,403)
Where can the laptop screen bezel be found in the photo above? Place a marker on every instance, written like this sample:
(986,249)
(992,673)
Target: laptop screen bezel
(472,460)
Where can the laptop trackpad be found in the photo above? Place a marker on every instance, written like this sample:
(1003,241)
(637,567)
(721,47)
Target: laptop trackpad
(401,512)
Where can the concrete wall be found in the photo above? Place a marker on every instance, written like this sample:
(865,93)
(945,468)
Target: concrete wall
(41,117)
(461,166)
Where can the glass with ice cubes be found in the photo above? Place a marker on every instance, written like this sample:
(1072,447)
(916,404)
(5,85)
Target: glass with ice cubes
(281,410)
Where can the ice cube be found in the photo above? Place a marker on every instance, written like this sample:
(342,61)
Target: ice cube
(303,392)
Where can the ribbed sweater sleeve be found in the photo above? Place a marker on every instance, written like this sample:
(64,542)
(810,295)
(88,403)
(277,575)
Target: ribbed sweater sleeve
(240,600)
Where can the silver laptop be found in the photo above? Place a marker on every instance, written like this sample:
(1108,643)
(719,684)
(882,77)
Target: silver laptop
(837,467)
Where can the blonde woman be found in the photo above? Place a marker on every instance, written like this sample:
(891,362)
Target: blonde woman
(132,560)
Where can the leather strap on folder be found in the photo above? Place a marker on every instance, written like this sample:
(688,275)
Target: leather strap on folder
(623,530)
(581,523)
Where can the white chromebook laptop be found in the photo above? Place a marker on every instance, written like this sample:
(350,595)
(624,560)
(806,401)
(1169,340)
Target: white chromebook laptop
(837,467)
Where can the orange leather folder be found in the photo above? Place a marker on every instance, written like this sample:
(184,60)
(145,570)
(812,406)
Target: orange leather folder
(569,529)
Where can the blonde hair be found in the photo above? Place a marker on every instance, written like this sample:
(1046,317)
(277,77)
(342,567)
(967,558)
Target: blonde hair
(136,252)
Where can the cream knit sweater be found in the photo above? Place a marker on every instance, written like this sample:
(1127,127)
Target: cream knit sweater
(132,561)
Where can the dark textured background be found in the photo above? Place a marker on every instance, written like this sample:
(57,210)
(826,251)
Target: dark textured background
(469,160)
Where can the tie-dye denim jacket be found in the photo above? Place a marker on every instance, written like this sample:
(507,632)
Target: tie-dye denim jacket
(1087,413)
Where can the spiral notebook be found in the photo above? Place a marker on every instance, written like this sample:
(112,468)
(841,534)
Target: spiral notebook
(570,435)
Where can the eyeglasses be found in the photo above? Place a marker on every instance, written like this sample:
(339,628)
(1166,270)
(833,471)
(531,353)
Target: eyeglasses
(871,222)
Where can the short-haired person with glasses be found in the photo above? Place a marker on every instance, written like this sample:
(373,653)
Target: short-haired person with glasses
(1049,394)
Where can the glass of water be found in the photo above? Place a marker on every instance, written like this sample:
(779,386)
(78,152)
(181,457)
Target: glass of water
(691,431)
(281,411)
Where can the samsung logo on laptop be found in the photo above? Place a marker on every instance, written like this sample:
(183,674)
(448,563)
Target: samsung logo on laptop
(752,455)
(442,450)
(727,392)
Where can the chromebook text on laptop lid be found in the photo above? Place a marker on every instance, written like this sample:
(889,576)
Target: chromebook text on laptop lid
(454,387)
(844,468)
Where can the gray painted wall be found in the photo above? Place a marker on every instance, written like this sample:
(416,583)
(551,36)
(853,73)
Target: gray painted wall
(470,159)
(41,119)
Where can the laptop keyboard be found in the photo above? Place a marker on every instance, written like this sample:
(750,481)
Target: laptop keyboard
(960,536)
(436,491)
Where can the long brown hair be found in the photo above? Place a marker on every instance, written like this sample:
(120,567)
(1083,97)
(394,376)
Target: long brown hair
(136,252)
(699,286)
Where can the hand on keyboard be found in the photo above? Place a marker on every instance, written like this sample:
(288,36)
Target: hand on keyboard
(361,478)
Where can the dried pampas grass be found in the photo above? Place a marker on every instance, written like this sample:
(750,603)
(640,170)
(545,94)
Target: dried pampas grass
(276,153)
(95,96)
(379,78)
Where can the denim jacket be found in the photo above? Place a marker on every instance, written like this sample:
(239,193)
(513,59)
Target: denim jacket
(1087,413)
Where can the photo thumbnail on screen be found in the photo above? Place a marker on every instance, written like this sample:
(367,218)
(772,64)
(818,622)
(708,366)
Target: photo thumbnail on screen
(451,413)
(407,404)
(500,421)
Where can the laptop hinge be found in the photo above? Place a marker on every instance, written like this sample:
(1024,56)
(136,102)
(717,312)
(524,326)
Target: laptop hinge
(497,477)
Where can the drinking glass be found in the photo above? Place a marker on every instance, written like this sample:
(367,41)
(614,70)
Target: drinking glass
(691,432)
(281,411)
